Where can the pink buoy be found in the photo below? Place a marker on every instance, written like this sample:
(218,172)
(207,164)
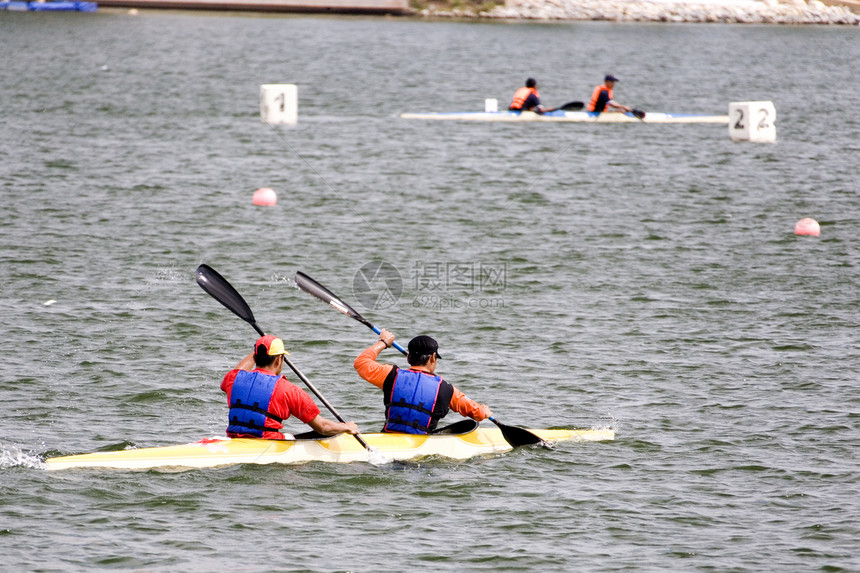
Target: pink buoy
(265,197)
(807,226)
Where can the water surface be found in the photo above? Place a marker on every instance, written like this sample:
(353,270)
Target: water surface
(643,277)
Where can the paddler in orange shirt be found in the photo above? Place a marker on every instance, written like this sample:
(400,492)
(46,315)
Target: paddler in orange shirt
(602,98)
(415,398)
(527,98)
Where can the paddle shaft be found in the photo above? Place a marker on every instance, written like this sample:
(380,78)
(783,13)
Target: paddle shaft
(378,331)
(394,344)
(314,288)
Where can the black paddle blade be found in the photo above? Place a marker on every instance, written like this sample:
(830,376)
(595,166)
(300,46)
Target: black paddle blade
(638,113)
(517,436)
(572,106)
(222,291)
(311,286)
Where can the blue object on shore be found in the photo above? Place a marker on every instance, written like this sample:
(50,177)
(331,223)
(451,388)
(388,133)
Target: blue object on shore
(52,6)
(59,6)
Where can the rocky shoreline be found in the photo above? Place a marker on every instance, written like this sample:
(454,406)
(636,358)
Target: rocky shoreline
(720,11)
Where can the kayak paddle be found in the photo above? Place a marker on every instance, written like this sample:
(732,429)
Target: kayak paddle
(513,435)
(311,286)
(222,291)
(572,106)
(638,113)
(569,106)
(517,436)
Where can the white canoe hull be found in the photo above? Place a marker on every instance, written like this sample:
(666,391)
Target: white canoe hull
(570,117)
(342,448)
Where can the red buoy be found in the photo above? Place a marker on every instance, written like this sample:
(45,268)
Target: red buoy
(807,226)
(265,197)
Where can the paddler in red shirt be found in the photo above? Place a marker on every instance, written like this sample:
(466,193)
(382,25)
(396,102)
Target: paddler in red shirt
(415,398)
(260,399)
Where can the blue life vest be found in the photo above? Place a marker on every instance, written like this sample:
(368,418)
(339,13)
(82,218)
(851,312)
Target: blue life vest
(412,407)
(249,403)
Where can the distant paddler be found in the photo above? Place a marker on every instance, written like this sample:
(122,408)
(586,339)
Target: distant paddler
(527,98)
(602,98)
(261,399)
(415,398)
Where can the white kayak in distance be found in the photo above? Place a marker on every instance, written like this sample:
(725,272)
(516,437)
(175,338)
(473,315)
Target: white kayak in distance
(570,117)
(460,441)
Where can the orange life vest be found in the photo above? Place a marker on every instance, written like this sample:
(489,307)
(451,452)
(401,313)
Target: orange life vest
(520,97)
(596,94)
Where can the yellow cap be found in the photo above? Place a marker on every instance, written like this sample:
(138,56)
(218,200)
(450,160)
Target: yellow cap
(274,346)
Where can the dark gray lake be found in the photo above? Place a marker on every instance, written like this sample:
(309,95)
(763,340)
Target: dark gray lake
(644,277)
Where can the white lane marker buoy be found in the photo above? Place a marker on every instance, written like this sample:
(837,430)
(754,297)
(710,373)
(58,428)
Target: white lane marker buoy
(279,104)
(752,121)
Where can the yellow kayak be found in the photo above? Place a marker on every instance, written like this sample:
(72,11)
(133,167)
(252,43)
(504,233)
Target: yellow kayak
(342,448)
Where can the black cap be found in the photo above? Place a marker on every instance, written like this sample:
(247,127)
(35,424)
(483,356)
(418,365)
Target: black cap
(530,83)
(610,78)
(423,345)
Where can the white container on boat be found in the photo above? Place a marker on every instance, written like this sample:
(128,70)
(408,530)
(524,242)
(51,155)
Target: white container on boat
(279,104)
(752,121)
(491,105)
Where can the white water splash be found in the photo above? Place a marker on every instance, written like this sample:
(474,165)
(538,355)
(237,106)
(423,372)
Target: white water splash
(170,275)
(377,458)
(12,456)
(609,422)
(280,278)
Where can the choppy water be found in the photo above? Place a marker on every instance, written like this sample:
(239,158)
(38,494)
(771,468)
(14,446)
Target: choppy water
(640,276)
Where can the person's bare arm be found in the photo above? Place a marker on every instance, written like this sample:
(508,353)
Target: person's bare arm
(328,427)
(247,363)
